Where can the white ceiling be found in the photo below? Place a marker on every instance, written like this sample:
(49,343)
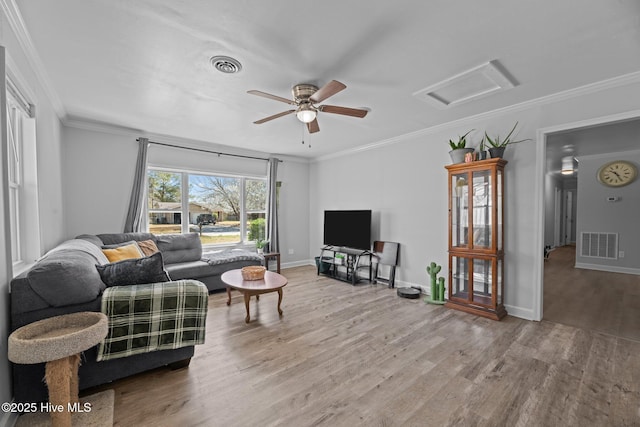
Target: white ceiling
(591,140)
(144,64)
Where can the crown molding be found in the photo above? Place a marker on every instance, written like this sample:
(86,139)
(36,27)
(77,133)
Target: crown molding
(616,155)
(78,122)
(12,12)
(587,89)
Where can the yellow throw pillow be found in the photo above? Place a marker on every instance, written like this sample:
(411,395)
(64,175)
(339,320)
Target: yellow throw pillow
(123,252)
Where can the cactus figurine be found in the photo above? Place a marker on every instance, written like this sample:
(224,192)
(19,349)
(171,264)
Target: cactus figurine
(433,269)
(441,289)
(437,290)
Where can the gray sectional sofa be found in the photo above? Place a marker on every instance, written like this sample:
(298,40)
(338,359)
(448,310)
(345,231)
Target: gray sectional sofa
(66,280)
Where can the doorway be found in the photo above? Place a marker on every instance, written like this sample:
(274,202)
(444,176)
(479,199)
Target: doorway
(558,224)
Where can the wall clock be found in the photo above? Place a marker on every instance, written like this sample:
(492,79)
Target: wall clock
(617,173)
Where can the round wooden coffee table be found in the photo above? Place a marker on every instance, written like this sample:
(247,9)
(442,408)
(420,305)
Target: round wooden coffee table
(272,282)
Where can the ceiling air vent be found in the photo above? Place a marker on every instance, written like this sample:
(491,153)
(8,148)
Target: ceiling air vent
(226,64)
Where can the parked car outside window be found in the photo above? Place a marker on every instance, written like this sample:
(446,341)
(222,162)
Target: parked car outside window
(205,219)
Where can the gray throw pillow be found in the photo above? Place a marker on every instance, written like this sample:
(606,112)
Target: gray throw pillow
(134,271)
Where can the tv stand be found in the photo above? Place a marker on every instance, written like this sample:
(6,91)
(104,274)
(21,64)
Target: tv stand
(343,268)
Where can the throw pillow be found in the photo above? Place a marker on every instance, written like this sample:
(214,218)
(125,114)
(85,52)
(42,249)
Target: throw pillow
(120,253)
(134,271)
(148,247)
(117,245)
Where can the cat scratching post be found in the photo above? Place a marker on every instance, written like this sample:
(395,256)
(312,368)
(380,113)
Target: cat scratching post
(58,341)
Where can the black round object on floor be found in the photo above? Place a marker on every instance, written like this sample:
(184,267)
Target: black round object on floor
(410,293)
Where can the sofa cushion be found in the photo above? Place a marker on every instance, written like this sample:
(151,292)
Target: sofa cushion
(91,238)
(134,271)
(112,238)
(122,252)
(189,270)
(79,245)
(179,247)
(67,274)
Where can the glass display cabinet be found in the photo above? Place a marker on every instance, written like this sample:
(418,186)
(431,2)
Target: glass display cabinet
(476,255)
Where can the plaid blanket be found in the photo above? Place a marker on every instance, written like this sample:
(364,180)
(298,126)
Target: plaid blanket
(231,255)
(155,316)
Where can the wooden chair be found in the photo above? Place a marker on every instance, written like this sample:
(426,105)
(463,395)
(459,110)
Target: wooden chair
(385,253)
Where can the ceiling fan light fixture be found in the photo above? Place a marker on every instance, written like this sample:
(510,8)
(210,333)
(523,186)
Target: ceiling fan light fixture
(567,165)
(306,113)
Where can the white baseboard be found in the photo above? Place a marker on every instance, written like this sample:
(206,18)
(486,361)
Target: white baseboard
(300,263)
(608,268)
(520,312)
(423,289)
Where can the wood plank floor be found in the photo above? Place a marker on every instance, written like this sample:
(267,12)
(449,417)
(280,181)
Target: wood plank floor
(361,356)
(596,300)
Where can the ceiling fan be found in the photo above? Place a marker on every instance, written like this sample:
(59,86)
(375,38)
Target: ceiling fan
(305,98)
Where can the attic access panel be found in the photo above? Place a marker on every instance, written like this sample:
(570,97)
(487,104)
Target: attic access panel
(477,82)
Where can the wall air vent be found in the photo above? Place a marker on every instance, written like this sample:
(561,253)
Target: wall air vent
(599,245)
(466,86)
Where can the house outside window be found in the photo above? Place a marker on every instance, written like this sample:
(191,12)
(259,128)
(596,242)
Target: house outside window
(222,209)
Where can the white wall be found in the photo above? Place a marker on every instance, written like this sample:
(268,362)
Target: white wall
(405,181)
(552,183)
(49,192)
(98,174)
(596,214)
(293,218)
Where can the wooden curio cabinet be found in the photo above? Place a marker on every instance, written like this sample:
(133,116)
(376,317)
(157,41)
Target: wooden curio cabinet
(476,230)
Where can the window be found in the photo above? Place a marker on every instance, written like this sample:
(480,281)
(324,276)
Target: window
(22,179)
(222,209)
(165,202)
(14,115)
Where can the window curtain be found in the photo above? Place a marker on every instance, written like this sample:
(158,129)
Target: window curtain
(272,205)
(134,221)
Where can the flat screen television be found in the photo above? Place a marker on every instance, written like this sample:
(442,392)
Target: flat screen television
(351,229)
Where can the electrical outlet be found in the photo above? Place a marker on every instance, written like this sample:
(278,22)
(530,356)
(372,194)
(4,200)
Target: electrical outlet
(291,251)
(621,254)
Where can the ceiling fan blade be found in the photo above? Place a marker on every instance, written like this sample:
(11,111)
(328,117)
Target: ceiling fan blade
(269,96)
(334,109)
(313,126)
(326,91)
(275,116)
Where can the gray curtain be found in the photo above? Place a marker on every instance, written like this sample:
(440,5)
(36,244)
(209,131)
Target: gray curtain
(134,221)
(272,205)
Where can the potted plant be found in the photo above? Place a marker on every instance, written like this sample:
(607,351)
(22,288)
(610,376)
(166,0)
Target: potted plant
(260,244)
(498,146)
(459,149)
(482,153)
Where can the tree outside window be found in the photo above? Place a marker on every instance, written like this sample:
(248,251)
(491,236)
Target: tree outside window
(221,209)
(164,202)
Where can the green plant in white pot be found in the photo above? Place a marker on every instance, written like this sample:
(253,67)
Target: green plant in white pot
(497,146)
(459,148)
(260,245)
